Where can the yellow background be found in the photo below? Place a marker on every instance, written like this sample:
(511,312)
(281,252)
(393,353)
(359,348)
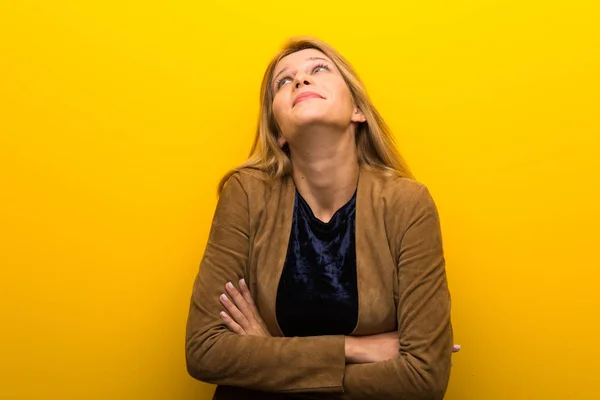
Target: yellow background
(117,118)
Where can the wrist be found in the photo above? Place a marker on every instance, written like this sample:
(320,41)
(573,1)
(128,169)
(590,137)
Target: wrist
(351,349)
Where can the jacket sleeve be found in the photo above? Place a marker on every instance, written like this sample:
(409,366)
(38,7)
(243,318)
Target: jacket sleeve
(423,368)
(216,355)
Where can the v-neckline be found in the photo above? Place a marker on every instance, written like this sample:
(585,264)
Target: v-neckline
(355,196)
(317,221)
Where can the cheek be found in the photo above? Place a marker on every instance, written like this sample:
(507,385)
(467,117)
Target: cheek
(280,113)
(278,110)
(341,96)
(345,95)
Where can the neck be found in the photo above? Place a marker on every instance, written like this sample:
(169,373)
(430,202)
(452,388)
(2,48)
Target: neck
(325,172)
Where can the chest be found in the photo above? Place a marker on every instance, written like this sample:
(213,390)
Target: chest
(376,271)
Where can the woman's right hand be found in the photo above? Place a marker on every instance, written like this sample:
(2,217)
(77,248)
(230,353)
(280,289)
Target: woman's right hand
(375,348)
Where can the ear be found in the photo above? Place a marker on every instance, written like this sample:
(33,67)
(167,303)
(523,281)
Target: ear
(358,116)
(281,141)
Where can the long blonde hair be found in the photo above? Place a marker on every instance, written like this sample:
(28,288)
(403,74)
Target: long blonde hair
(374,141)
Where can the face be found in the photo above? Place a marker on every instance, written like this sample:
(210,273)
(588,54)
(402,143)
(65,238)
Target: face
(311,92)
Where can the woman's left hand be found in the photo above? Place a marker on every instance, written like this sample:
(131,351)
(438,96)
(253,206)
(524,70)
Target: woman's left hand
(242,316)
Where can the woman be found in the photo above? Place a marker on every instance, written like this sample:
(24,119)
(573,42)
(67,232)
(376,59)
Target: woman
(336,251)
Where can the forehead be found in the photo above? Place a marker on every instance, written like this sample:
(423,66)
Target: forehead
(298,58)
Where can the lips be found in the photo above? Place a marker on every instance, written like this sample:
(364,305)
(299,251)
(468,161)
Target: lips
(306,95)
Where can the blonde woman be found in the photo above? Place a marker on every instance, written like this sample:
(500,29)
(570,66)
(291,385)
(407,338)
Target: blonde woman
(324,275)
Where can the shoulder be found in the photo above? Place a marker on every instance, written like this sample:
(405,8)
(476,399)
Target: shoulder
(253,183)
(246,195)
(399,202)
(403,205)
(394,190)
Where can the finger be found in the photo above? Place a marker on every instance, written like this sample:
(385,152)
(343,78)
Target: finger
(234,312)
(231,324)
(248,296)
(239,301)
(456,348)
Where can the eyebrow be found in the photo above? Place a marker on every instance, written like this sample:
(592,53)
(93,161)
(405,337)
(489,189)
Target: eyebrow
(308,59)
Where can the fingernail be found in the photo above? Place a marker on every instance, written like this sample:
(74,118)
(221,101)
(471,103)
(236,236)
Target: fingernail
(242,282)
(457,346)
(223,315)
(229,285)
(224,298)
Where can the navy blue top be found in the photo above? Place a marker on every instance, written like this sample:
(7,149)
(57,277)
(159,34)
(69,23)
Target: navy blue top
(318,291)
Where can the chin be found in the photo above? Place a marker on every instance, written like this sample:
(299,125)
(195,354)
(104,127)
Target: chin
(310,115)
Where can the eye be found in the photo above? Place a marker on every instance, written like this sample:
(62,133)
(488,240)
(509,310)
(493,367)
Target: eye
(316,68)
(321,66)
(280,81)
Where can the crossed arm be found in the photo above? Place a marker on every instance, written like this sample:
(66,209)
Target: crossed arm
(243,318)
(353,369)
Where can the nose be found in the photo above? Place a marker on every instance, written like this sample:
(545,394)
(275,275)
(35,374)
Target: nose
(304,82)
(301,79)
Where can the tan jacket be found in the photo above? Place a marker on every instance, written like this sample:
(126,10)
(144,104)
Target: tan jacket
(401,284)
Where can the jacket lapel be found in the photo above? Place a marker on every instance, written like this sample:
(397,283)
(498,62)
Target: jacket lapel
(270,246)
(375,269)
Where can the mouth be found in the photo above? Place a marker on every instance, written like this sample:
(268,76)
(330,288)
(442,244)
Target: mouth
(306,96)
